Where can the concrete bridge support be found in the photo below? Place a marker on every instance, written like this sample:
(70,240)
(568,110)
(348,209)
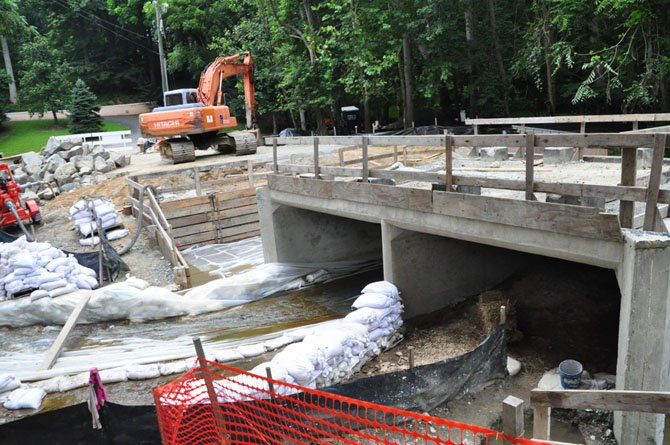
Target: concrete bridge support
(643,361)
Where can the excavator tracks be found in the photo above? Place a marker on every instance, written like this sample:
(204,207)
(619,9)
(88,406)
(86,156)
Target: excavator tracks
(246,142)
(178,152)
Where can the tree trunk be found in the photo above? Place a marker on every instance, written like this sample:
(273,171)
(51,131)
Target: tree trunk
(320,121)
(10,71)
(407,74)
(303,121)
(499,58)
(470,41)
(55,117)
(367,121)
(546,32)
(402,91)
(274,123)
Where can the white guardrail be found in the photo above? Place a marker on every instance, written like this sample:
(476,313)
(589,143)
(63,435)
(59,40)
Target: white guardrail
(106,139)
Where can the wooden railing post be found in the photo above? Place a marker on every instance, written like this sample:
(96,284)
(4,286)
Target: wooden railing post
(316,158)
(365,158)
(530,165)
(541,422)
(275,166)
(448,162)
(628,178)
(198,187)
(512,416)
(654,182)
(250,172)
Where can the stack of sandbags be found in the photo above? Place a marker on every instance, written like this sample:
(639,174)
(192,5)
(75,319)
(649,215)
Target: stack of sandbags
(13,395)
(50,272)
(332,353)
(85,213)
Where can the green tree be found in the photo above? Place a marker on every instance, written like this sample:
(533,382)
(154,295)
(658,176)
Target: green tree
(83,110)
(45,78)
(10,22)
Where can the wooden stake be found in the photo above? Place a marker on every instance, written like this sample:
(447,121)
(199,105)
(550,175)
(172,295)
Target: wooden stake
(316,158)
(57,347)
(512,416)
(275,166)
(198,188)
(530,158)
(541,422)
(503,315)
(365,159)
(448,162)
(628,178)
(411,358)
(250,172)
(654,182)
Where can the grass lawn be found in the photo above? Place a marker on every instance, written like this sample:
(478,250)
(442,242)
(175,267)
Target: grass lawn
(22,136)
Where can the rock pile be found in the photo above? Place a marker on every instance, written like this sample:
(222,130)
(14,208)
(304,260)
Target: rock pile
(66,166)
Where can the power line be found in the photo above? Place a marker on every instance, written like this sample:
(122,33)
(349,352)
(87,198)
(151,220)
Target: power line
(64,4)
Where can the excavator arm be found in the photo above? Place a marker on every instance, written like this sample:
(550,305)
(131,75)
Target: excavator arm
(211,79)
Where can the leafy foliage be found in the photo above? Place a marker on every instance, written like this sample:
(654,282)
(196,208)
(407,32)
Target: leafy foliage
(83,110)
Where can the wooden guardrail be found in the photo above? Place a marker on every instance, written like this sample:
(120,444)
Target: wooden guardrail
(628,192)
(611,400)
(634,119)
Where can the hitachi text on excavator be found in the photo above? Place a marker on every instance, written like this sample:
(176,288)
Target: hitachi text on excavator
(193,118)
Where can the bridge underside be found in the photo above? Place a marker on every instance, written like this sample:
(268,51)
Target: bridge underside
(440,248)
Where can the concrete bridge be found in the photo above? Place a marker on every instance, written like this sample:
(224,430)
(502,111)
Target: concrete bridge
(439,247)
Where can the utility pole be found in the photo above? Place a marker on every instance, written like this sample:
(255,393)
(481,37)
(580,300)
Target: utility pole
(161,51)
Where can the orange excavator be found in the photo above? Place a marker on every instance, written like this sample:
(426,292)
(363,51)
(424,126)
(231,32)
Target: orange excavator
(192,118)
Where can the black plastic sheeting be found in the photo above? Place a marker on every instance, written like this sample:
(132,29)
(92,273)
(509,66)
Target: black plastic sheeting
(112,264)
(72,426)
(425,387)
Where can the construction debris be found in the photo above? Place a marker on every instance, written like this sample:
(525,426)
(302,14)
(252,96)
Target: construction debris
(65,166)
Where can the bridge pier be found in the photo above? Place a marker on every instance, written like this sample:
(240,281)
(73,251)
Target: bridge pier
(643,360)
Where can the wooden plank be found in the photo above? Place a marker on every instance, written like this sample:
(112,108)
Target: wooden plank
(212,234)
(530,164)
(666,430)
(628,173)
(208,216)
(250,173)
(583,222)
(373,140)
(302,186)
(214,225)
(232,179)
(650,214)
(541,422)
(645,117)
(57,346)
(221,196)
(448,162)
(205,208)
(316,157)
(274,155)
(198,187)
(364,147)
(371,193)
(203,168)
(610,400)
(594,140)
(512,416)
(420,200)
(228,239)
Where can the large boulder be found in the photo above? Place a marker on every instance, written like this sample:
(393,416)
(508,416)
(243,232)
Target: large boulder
(104,165)
(120,159)
(31,158)
(29,194)
(98,151)
(85,164)
(46,194)
(54,161)
(77,150)
(64,173)
(21,176)
(33,171)
(52,147)
(69,187)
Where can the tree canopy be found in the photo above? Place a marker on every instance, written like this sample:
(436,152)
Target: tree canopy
(403,61)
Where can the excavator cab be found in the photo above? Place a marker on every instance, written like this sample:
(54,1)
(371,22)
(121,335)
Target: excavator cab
(178,99)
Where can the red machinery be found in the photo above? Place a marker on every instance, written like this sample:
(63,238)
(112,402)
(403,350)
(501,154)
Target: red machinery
(13,211)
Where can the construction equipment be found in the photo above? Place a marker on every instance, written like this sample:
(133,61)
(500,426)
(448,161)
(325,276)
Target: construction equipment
(13,211)
(192,118)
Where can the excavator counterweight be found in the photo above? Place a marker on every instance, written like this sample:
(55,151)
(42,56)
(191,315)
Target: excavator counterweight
(192,119)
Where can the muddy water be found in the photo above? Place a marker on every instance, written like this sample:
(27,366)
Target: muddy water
(112,343)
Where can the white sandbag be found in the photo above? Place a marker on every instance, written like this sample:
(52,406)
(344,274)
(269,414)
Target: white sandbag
(227,355)
(367,316)
(70,382)
(53,253)
(24,270)
(8,382)
(169,368)
(30,398)
(373,300)
(85,282)
(135,282)
(113,375)
(49,386)
(117,234)
(108,223)
(38,247)
(62,261)
(62,290)
(278,342)
(92,241)
(251,350)
(297,366)
(51,285)
(309,351)
(279,372)
(382,287)
(142,372)
(24,260)
(379,333)
(37,294)
(330,347)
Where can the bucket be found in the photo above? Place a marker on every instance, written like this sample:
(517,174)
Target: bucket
(571,374)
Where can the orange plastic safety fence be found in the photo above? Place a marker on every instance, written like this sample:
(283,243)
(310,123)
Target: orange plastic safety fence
(249,409)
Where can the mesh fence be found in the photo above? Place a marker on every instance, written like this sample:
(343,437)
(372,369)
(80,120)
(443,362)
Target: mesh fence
(250,409)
